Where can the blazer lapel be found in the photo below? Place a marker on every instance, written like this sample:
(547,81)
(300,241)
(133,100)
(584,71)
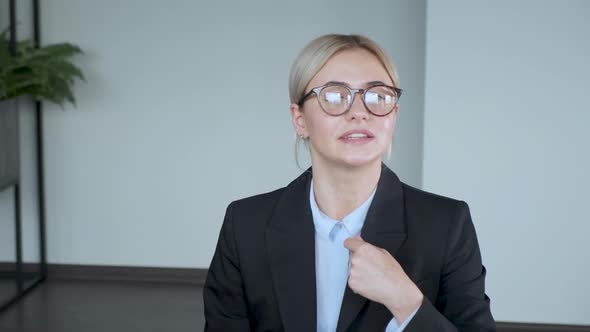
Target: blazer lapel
(290,238)
(384,227)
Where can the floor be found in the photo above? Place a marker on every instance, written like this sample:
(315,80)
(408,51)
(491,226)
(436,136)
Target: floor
(116,306)
(93,306)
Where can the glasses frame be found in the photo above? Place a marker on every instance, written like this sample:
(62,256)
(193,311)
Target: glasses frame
(318,90)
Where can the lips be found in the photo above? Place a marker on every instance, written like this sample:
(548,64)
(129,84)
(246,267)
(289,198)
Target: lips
(357,134)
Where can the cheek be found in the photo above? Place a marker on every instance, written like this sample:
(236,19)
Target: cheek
(321,125)
(389,124)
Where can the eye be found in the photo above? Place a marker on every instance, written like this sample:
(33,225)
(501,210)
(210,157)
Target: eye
(334,98)
(380,95)
(372,98)
(335,95)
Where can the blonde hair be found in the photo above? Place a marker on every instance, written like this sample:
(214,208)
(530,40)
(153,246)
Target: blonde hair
(315,55)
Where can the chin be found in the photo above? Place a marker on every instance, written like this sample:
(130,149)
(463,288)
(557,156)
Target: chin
(360,161)
(349,159)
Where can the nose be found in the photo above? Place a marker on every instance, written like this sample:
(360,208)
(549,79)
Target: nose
(357,109)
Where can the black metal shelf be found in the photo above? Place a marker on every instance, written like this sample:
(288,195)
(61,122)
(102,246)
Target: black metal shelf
(22,275)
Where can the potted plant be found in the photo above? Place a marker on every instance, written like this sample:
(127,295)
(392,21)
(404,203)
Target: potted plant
(43,73)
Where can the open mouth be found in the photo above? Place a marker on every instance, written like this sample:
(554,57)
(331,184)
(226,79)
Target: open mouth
(357,136)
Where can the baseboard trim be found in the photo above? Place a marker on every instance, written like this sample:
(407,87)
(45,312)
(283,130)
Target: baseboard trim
(191,276)
(194,276)
(528,327)
(10,267)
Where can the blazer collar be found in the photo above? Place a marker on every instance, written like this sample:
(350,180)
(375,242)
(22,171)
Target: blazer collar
(290,238)
(384,227)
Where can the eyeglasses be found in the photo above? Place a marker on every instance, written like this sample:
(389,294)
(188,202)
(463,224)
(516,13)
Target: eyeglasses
(336,99)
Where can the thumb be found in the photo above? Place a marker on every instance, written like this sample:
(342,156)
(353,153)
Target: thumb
(353,243)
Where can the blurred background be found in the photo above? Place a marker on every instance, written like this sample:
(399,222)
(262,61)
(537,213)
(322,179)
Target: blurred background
(186,109)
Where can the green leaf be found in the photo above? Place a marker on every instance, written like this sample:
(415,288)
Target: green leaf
(45,73)
(54,52)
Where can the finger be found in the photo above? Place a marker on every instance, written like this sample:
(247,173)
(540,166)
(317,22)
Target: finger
(353,243)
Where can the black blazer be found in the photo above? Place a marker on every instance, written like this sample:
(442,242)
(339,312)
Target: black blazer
(262,276)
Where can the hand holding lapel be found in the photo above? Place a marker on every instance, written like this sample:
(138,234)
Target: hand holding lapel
(377,276)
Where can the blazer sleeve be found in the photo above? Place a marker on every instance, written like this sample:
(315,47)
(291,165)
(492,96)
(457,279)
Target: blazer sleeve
(223,294)
(461,303)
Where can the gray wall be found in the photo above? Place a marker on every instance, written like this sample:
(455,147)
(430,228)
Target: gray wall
(186,109)
(506,129)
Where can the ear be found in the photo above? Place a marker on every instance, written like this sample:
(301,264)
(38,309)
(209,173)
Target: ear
(298,120)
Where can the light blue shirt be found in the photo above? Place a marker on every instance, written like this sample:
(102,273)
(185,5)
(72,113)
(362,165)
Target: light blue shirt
(331,262)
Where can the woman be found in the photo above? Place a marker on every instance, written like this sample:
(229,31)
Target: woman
(346,246)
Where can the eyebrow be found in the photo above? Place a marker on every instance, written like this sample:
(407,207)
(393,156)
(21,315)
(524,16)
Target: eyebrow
(371,83)
(376,83)
(337,83)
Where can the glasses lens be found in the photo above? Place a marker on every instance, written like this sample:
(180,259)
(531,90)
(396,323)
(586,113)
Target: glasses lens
(335,99)
(380,99)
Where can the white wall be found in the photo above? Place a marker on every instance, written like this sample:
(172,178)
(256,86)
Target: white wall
(506,117)
(141,172)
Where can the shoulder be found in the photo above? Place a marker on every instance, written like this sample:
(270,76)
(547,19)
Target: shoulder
(416,200)
(430,200)
(443,223)
(261,206)
(434,211)
(246,218)
(257,203)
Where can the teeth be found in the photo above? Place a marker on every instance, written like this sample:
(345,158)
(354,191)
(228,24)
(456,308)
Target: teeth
(356,136)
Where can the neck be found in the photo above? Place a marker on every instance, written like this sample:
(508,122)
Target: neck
(339,191)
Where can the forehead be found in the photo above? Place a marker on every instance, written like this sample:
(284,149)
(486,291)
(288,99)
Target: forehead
(355,67)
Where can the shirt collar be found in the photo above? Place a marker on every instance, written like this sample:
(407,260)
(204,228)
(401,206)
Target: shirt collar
(353,222)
